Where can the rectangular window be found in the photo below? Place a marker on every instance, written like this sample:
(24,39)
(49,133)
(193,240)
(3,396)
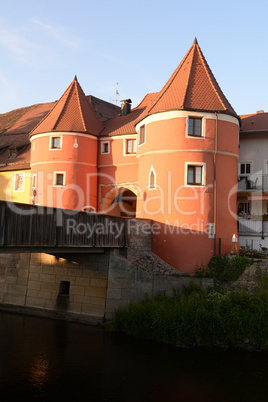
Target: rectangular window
(19,182)
(131,146)
(194,126)
(105,147)
(194,175)
(34,180)
(55,143)
(142,135)
(59,179)
(245,168)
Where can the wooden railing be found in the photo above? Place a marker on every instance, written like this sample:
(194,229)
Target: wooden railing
(31,225)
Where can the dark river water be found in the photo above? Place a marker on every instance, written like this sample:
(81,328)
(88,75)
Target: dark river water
(49,360)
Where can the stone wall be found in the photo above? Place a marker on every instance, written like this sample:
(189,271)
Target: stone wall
(39,281)
(128,283)
(98,283)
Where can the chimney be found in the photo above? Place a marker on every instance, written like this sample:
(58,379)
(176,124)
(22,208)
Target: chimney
(260,111)
(125,107)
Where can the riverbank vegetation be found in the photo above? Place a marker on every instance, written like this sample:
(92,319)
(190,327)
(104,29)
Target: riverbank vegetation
(199,316)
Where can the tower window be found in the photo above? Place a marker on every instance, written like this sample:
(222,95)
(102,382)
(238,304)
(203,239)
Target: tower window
(55,143)
(59,179)
(105,147)
(195,126)
(194,175)
(142,135)
(152,179)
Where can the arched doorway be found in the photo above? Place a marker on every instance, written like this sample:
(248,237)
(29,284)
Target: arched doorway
(121,202)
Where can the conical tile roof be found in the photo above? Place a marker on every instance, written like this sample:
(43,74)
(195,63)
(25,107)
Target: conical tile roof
(192,86)
(71,113)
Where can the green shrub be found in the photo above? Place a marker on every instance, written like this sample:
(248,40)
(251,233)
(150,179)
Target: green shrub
(227,268)
(199,317)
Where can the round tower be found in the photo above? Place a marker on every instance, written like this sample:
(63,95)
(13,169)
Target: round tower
(64,153)
(188,152)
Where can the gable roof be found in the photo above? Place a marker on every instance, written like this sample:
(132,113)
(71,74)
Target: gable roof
(254,122)
(72,113)
(192,86)
(120,125)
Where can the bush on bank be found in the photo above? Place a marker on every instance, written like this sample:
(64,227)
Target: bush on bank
(198,316)
(223,268)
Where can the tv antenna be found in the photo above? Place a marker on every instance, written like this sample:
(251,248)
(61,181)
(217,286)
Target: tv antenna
(116,94)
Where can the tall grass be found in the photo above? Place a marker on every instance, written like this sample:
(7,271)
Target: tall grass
(199,316)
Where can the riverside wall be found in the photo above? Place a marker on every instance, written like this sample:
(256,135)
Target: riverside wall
(85,286)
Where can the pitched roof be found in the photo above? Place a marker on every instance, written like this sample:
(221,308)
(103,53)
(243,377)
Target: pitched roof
(192,86)
(254,122)
(120,125)
(72,113)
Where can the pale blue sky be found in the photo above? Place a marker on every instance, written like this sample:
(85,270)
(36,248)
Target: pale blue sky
(44,44)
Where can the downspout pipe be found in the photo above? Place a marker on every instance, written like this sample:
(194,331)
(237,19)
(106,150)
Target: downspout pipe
(215,183)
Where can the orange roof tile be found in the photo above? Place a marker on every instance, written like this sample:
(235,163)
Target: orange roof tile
(192,86)
(120,125)
(72,113)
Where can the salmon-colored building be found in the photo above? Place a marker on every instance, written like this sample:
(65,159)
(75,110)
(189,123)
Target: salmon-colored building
(172,159)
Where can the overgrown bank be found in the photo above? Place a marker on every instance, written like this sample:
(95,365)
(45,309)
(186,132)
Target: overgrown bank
(202,317)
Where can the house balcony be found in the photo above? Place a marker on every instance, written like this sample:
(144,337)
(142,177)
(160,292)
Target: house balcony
(253,183)
(253,225)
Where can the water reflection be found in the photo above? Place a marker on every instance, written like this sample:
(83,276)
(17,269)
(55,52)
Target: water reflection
(42,359)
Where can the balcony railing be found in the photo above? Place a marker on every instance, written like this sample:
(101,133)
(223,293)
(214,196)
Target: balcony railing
(256,181)
(253,224)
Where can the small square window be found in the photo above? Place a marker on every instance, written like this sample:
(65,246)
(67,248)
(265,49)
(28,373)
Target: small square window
(59,179)
(195,127)
(194,175)
(142,135)
(131,146)
(56,142)
(105,147)
(64,288)
(19,182)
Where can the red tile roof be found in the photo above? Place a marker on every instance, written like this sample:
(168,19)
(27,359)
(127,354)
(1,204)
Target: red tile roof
(120,125)
(192,86)
(254,122)
(72,113)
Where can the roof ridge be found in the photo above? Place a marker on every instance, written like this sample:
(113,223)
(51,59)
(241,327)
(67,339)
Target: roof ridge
(64,105)
(169,82)
(194,45)
(79,103)
(207,70)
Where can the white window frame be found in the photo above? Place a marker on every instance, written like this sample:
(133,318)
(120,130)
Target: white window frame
(103,143)
(15,181)
(203,126)
(51,148)
(149,181)
(249,162)
(34,180)
(203,165)
(144,136)
(126,146)
(55,179)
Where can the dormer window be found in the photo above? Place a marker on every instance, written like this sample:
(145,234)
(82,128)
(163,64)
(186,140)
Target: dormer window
(55,143)
(195,126)
(13,152)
